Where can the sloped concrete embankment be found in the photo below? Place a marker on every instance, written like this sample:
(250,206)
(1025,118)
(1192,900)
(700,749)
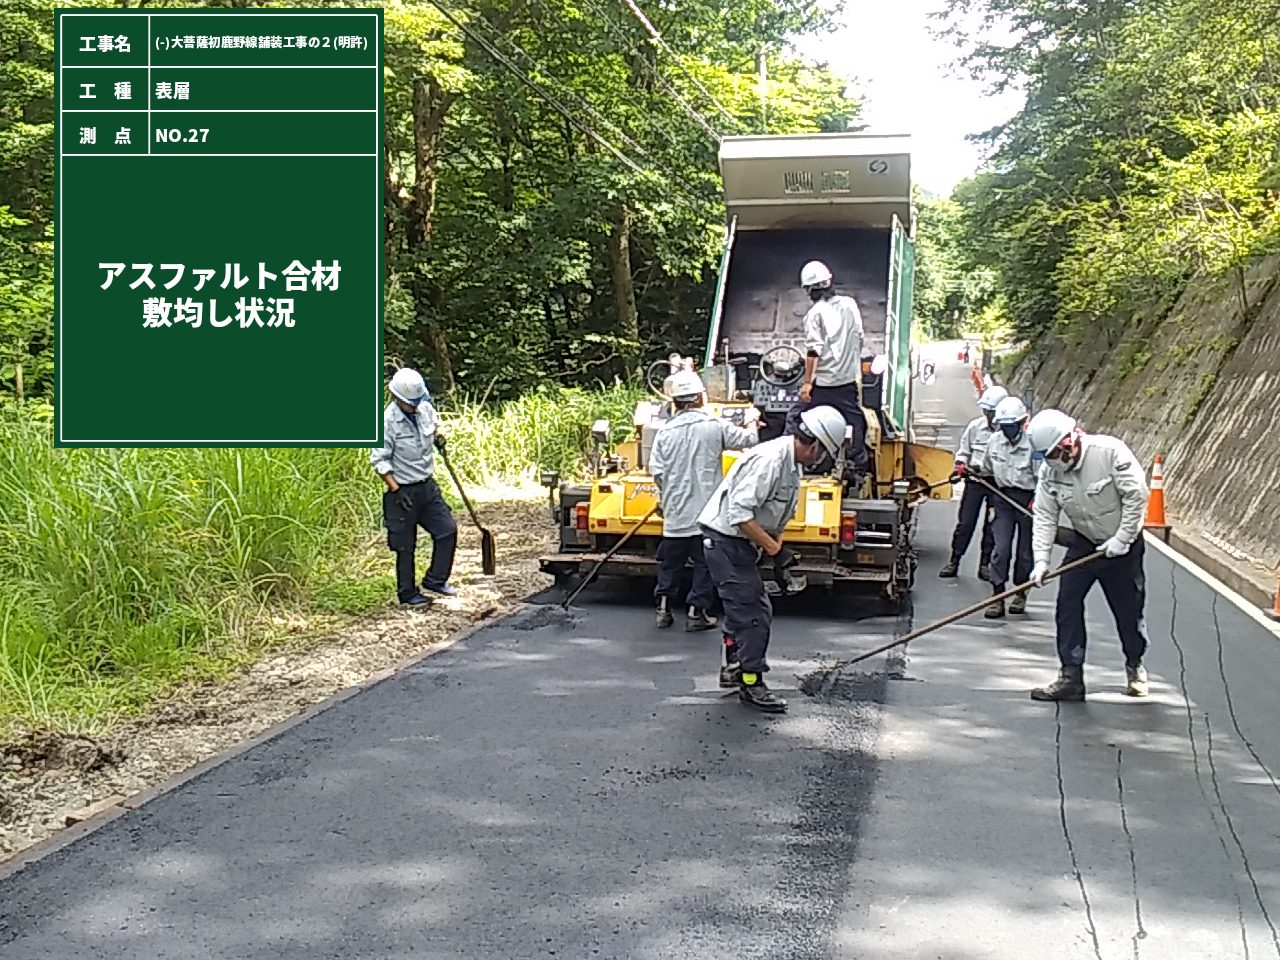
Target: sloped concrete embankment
(1202,386)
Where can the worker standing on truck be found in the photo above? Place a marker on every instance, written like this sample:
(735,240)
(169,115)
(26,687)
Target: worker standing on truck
(833,361)
(976,500)
(1096,481)
(745,516)
(406,463)
(1007,460)
(685,464)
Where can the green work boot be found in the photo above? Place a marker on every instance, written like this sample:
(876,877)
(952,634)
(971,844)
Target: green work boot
(1068,686)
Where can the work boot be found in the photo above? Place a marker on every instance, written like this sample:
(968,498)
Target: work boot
(757,695)
(1018,604)
(984,571)
(1137,677)
(1068,686)
(995,610)
(730,676)
(697,619)
(664,617)
(952,569)
(417,600)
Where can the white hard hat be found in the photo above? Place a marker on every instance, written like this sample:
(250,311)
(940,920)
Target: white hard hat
(1010,410)
(1048,428)
(408,385)
(684,383)
(992,396)
(815,274)
(827,425)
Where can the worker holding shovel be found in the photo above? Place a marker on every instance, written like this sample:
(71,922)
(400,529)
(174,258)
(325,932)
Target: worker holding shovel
(1097,483)
(406,463)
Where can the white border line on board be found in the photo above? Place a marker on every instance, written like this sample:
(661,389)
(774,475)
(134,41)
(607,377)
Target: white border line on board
(1213,583)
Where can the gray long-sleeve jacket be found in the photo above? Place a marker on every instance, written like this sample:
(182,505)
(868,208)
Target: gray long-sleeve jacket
(1009,464)
(685,464)
(763,486)
(1104,496)
(973,442)
(407,450)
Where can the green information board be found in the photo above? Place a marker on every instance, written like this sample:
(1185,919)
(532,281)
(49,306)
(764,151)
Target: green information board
(219,228)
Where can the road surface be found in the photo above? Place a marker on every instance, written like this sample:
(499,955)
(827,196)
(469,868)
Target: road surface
(578,788)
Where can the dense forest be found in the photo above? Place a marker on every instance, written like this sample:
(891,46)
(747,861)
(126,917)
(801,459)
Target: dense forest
(1148,151)
(551,190)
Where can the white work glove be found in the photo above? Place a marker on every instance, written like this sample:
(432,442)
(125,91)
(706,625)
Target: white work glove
(1115,547)
(752,415)
(1038,572)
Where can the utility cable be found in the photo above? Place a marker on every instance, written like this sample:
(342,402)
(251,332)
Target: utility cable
(657,38)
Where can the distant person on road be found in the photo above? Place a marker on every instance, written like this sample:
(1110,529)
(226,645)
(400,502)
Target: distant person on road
(406,463)
(1007,460)
(964,355)
(833,361)
(744,517)
(1097,483)
(685,464)
(976,499)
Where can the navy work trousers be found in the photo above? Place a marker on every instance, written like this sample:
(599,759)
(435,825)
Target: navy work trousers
(1008,522)
(430,512)
(847,400)
(974,502)
(748,614)
(673,554)
(1125,587)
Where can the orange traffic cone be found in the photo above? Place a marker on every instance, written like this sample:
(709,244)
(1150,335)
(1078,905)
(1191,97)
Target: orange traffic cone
(1155,504)
(1275,607)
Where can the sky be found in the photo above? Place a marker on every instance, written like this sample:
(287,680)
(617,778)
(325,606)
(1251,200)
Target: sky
(911,87)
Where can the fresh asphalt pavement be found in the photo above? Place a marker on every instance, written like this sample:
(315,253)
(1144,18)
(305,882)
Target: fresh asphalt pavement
(576,786)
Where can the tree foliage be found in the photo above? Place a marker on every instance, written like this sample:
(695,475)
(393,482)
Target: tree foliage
(552,200)
(1147,151)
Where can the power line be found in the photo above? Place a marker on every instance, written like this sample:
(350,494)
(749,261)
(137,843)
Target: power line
(657,37)
(697,117)
(525,79)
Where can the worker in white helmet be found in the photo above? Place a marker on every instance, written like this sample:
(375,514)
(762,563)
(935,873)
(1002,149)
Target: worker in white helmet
(1007,461)
(975,502)
(1098,484)
(685,464)
(744,517)
(406,463)
(833,361)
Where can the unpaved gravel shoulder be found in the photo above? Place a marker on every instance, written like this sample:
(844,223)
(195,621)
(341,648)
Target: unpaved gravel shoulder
(46,778)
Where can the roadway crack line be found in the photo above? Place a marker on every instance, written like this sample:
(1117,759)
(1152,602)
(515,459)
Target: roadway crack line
(1195,754)
(1066,832)
(1140,933)
(1231,709)
(1244,857)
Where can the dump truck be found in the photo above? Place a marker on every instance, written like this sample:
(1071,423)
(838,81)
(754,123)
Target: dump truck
(844,199)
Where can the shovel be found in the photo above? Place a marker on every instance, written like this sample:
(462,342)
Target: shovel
(488,547)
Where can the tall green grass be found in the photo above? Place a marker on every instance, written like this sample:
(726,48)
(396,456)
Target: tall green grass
(125,571)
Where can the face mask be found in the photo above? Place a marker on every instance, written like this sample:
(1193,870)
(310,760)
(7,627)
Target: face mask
(815,294)
(1012,431)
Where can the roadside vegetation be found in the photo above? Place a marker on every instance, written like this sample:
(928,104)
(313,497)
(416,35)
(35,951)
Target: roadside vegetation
(127,571)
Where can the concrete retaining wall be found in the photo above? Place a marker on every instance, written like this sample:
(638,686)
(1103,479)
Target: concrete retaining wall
(1201,386)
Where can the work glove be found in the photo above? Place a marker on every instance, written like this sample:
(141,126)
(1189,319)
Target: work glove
(783,561)
(1038,572)
(1115,547)
(751,416)
(401,497)
(438,442)
(959,472)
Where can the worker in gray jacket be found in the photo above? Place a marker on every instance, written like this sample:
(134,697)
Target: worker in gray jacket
(1096,482)
(406,464)
(975,502)
(745,517)
(1007,461)
(833,360)
(685,464)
